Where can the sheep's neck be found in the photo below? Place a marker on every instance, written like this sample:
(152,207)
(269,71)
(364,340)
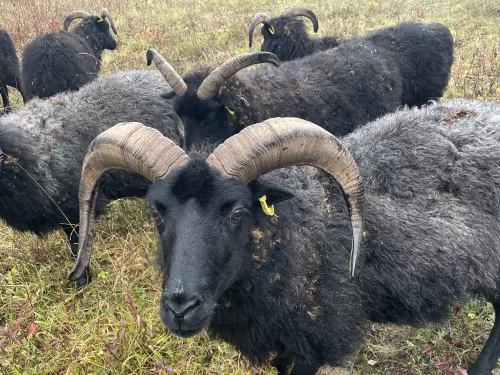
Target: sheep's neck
(244,101)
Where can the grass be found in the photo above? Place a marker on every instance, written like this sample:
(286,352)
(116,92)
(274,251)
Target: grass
(112,326)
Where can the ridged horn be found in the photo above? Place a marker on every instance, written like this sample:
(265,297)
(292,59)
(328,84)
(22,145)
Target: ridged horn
(73,16)
(282,142)
(167,71)
(257,19)
(105,14)
(219,76)
(130,146)
(301,11)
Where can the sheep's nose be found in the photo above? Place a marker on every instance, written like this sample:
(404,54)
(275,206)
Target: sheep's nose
(180,304)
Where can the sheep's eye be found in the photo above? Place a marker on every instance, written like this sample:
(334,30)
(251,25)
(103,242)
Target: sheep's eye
(156,216)
(236,215)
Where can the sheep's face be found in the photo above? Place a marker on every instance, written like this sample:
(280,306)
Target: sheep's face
(99,30)
(204,223)
(204,120)
(282,36)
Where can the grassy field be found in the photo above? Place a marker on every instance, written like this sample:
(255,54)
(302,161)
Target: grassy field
(112,326)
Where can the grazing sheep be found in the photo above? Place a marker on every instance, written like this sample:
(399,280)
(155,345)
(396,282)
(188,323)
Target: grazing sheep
(10,73)
(65,61)
(286,36)
(273,281)
(47,140)
(338,89)
(424,54)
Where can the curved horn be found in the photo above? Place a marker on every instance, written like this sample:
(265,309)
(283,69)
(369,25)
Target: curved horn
(219,76)
(130,146)
(105,14)
(282,142)
(257,19)
(301,11)
(73,16)
(173,79)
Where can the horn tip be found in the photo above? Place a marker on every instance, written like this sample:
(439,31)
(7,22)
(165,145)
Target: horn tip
(149,56)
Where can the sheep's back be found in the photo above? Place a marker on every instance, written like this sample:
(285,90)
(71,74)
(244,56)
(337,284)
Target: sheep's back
(57,62)
(338,89)
(50,137)
(432,180)
(424,54)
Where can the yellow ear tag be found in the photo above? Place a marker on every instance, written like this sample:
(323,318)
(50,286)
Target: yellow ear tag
(231,112)
(271,30)
(100,20)
(267,210)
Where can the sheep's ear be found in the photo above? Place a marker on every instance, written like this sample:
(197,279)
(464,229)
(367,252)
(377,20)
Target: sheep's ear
(168,94)
(273,193)
(225,100)
(270,29)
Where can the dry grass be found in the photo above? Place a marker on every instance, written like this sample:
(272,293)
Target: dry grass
(112,326)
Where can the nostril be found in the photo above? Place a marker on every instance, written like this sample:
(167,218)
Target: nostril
(180,304)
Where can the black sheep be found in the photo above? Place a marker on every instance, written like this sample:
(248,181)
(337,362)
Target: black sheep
(338,89)
(48,140)
(65,61)
(10,73)
(286,36)
(424,54)
(274,281)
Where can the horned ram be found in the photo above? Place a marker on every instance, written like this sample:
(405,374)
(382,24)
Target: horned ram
(65,61)
(338,89)
(256,249)
(286,36)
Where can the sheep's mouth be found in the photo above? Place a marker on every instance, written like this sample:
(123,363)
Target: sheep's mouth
(186,328)
(186,333)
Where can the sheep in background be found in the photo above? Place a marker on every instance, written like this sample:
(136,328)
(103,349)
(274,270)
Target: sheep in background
(10,73)
(273,280)
(424,54)
(48,139)
(338,89)
(286,36)
(65,61)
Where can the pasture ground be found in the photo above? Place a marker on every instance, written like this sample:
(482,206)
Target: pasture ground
(112,326)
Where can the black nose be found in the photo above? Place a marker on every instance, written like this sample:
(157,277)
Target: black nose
(180,304)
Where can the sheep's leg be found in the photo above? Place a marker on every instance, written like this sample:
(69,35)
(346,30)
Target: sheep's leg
(5,98)
(17,85)
(487,359)
(73,242)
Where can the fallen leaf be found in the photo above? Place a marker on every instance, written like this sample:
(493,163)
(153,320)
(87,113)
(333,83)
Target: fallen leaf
(31,330)
(428,347)
(113,349)
(448,339)
(120,335)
